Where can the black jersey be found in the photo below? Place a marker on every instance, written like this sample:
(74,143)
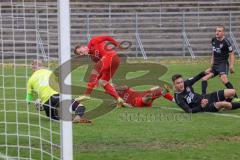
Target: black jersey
(221,50)
(188,100)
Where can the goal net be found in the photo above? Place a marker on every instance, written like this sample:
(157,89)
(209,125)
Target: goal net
(28,31)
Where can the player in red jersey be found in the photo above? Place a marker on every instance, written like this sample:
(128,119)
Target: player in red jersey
(142,98)
(107,62)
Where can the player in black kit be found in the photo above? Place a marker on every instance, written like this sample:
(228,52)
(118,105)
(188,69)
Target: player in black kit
(221,51)
(192,102)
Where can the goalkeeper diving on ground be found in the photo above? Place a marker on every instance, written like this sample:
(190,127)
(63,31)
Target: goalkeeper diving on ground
(46,87)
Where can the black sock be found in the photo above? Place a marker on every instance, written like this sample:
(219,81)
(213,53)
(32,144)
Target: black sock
(74,105)
(235,105)
(229,99)
(204,87)
(230,86)
(80,110)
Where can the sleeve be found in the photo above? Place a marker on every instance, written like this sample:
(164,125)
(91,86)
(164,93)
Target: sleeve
(29,96)
(212,44)
(212,40)
(100,39)
(229,45)
(182,104)
(53,82)
(193,80)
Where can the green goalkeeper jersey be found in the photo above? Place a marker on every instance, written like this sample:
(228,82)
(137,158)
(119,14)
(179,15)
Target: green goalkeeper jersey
(44,83)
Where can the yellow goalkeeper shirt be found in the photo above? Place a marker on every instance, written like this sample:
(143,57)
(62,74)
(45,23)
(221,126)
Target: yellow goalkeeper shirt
(43,83)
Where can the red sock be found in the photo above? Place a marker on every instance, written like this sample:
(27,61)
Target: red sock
(168,96)
(90,87)
(110,90)
(156,93)
(93,78)
(91,84)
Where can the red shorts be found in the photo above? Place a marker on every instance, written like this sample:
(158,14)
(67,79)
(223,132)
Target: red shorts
(107,66)
(139,103)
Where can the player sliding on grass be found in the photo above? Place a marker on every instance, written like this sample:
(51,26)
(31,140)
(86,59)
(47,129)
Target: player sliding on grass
(192,102)
(142,98)
(107,62)
(222,50)
(40,83)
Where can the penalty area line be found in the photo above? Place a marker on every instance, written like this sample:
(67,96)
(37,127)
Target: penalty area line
(224,115)
(216,114)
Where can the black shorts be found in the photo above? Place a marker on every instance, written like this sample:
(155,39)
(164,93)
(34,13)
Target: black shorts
(220,69)
(51,106)
(212,99)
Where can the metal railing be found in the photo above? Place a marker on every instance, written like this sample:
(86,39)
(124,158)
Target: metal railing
(138,40)
(39,40)
(186,42)
(40,46)
(188,45)
(136,26)
(237,50)
(185,22)
(235,44)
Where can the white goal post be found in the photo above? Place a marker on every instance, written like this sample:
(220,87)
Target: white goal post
(32,30)
(65,55)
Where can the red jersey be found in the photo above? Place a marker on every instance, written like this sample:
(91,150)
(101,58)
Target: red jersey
(128,95)
(98,48)
(134,98)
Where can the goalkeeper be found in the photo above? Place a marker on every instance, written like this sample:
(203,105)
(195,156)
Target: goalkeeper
(40,82)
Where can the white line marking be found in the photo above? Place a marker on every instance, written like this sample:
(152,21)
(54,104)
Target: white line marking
(224,115)
(217,114)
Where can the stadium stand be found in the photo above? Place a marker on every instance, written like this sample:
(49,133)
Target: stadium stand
(165,28)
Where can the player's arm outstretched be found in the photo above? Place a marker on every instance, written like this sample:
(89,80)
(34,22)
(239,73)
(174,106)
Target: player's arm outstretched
(212,60)
(104,38)
(231,55)
(231,62)
(99,39)
(181,103)
(107,38)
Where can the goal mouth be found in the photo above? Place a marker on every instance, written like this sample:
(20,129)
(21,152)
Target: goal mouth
(25,35)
